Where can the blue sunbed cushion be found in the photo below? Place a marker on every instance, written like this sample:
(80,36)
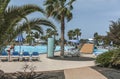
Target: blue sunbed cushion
(15,53)
(4,53)
(35,53)
(26,54)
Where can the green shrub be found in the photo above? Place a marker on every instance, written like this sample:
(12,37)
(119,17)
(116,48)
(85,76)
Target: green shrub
(104,59)
(116,58)
(109,59)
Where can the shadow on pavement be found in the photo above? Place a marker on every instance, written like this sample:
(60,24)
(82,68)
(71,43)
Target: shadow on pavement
(73,58)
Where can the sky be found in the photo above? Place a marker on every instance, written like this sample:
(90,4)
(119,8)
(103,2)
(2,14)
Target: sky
(88,15)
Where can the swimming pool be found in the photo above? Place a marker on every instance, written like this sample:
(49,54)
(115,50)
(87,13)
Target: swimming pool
(43,49)
(40,48)
(99,51)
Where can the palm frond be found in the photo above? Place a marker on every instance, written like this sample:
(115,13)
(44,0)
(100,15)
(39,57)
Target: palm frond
(35,24)
(15,14)
(38,28)
(68,15)
(3,5)
(70,2)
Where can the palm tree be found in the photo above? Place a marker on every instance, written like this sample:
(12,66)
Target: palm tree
(95,34)
(54,33)
(71,34)
(60,10)
(96,38)
(49,32)
(10,18)
(44,37)
(77,33)
(36,35)
(114,32)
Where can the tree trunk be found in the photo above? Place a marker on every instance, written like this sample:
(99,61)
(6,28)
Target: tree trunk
(77,37)
(62,35)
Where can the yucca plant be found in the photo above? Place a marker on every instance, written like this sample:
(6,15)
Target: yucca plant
(28,75)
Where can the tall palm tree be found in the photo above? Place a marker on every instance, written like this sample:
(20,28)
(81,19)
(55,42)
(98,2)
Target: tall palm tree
(54,33)
(60,10)
(114,32)
(71,34)
(49,32)
(95,34)
(10,18)
(36,35)
(44,37)
(96,38)
(77,32)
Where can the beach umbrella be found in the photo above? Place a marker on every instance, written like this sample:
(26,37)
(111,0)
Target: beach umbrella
(42,41)
(74,41)
(20,39)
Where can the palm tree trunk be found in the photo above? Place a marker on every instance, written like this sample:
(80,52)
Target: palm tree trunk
(62,35)
(77,37)
(29,30)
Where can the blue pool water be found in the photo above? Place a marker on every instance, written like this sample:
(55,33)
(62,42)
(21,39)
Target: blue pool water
(99,51)
(43,49)
(40,48)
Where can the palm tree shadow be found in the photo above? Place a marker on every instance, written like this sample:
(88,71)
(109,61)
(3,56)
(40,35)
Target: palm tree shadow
(74,58)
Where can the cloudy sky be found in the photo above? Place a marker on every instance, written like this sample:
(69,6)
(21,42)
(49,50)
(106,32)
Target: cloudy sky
(89,15)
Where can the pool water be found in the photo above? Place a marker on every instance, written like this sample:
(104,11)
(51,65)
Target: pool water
(40,48)
(43,49)
(99,51)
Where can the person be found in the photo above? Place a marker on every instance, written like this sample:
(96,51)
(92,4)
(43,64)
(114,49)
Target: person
(12,47)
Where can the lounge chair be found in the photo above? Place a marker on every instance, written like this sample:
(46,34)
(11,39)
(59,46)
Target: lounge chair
(35,56)
(26,56)
(15,55)
(4,56)
(67,52)
(72,52)
(76,52)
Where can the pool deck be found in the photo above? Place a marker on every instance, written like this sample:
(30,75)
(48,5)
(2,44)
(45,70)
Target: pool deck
(47,64)
(74,66)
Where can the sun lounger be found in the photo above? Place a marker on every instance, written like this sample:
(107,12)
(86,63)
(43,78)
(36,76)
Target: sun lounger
(26,56)
(76,52)
(67,52)
(72,52)
(35,56)
(15,55)
(4,56)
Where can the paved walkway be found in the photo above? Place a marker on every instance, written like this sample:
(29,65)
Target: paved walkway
(47,64)
(74,68)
